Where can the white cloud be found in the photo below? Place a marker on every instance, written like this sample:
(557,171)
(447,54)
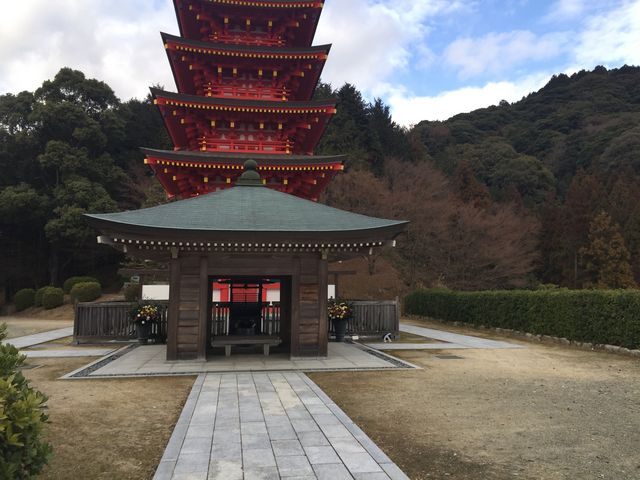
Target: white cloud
(116,41)
(410,109)
(611,39)
(374,39)
(497,53)
(563,10)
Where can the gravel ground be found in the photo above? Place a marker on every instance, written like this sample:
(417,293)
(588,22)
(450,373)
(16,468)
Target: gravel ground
(544,412)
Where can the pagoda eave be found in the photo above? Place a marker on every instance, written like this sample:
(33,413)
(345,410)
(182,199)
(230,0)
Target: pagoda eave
(162,98)
(206,69)
(187,174)
(238,159)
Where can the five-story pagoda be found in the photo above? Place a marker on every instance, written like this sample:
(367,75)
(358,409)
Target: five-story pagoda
(246,73)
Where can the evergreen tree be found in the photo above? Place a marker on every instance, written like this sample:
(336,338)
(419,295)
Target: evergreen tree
(606,257)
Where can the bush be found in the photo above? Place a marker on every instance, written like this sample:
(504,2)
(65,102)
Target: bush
(52,298)
(86,292)
(39,294)
(133,292)
(24,299)
(596,316)
(70,282)
(23,452)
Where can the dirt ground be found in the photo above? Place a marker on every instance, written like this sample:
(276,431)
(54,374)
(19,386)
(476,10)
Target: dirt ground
(543,412)
(107,429)
(37,320)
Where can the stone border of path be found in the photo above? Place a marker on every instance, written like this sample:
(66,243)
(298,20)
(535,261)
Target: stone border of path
(91,371)
(452,341)
(268,426)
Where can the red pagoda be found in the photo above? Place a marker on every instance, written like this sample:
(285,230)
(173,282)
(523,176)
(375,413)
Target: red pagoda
(246,73)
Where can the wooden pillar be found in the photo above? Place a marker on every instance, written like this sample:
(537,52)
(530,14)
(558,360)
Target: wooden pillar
(174,307)
(203,317)
(295,308)
(323,284)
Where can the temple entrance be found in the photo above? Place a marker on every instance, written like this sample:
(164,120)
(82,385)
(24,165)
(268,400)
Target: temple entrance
(249,312)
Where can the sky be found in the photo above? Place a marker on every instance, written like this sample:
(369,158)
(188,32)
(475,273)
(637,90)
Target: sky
(427,59)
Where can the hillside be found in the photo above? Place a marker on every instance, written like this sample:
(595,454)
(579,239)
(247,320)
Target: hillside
(588,120)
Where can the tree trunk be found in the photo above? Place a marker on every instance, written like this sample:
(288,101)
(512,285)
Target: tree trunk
(54,266)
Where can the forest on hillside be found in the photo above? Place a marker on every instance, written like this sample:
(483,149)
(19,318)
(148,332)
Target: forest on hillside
(542,191)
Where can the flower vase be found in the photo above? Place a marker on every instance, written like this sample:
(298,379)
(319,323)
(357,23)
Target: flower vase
(143,330)
(340,328)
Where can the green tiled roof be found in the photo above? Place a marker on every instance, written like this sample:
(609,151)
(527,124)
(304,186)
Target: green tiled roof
(246,209)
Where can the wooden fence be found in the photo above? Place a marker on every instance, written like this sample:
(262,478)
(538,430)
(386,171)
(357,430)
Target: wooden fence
(95,322)
(374,318)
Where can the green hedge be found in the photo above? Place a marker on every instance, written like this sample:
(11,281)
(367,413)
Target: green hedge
(70,282)
(23,449)
(52,298)
(24,299)
(39,294)
(602,317)
(133,292)
(86,292)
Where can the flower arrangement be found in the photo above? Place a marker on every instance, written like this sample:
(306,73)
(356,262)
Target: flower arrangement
(339,310)
(145,314)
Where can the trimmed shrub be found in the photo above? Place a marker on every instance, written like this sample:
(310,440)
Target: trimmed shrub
(86,292)
(596,316)
(24,299)
(133,292)
(70,282)
(23,452)
(52,298)
(39,293)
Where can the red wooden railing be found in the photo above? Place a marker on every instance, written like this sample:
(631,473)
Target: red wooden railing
(239,91)
(247,38)
(220,319)
(245,146)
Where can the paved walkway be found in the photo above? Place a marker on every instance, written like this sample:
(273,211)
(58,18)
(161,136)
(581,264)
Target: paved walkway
(38,338)
(268,426)
(452,341)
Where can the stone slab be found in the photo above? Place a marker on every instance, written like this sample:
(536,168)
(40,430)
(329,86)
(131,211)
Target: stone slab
(289,441)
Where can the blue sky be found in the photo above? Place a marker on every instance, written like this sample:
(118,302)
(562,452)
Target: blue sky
(428,59)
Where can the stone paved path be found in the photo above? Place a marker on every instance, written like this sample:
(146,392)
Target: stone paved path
(249,426)
(453,341)
(38,338)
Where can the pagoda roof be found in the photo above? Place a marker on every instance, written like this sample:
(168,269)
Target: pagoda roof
(269,3)
(245,50)
(240,158)
(243,104)
(247,208)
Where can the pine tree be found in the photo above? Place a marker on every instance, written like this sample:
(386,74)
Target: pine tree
(606,257)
